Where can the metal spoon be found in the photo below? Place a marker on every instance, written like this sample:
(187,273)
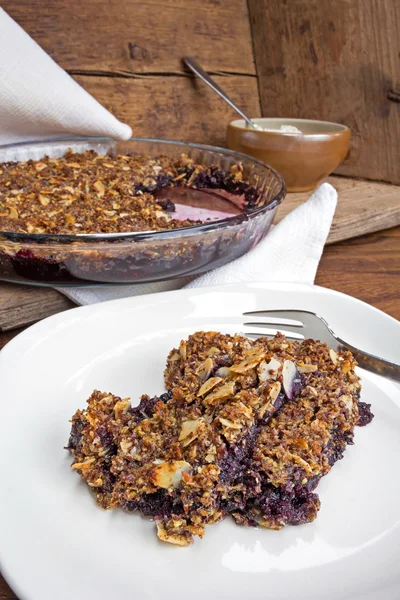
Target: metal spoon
(196,68)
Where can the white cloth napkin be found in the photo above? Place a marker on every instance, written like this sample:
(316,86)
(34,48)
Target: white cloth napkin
(38,100)
(290,252)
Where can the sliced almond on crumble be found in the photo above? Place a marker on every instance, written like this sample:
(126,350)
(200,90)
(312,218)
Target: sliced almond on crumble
(311,390)
(99,187)
(209,385)
(121,407)
(44,201)
(173,538)
(169,474)
(83,465)
(230,424)
(306,368)
(69,219)
(182,349)
(189,431)
(274,390)
(249,362)
(290,378)
(226,390)
(125,446)
(268,370)
(204,370)
(348,401)
(213,351)
(224,372)
(13,213)
(273,393)
(334,356)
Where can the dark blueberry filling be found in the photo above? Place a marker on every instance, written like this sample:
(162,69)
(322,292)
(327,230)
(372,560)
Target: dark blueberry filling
(337,444)
(233,462)
(159,505)
(145,409)
(215,179)
(218,178)
(166,205)
(365,414)
(75,435)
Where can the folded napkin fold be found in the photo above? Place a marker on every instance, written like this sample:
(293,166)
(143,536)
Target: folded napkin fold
(39,100)
(290,252)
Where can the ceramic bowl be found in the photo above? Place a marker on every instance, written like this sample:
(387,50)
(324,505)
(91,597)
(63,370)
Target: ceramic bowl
(303,159)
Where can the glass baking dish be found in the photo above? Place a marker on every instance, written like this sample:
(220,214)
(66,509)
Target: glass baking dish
(90,259)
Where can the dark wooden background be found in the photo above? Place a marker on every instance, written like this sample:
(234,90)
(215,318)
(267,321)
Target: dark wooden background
(298,58)
(319,59)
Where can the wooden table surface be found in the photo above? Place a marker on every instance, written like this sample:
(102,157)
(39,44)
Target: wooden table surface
(367,268)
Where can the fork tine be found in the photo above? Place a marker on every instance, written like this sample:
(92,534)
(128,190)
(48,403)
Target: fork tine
(271,334)
(282,316)
(287,330)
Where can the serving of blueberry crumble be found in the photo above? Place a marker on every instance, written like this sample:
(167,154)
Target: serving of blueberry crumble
(246,429)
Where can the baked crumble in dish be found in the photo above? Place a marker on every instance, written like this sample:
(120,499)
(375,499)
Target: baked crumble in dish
(146,210)
(246,428)
(89,193)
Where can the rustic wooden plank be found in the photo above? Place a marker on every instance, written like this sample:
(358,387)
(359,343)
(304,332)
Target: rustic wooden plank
(366,268)
(5,591)
(22,304)
(363,207)
(139,37)
(174,107)
(336,61)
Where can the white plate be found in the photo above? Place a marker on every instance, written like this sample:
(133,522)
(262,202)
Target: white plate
(57,545)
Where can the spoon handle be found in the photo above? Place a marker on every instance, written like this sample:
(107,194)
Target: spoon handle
(196,68)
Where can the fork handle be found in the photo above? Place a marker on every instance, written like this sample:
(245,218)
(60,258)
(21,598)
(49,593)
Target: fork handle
(372,363)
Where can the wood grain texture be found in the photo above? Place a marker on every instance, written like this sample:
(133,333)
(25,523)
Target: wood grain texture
(174,107)
(136,37)
(5,591)
(22,304)
(363,207)
(335,61)
(367,268)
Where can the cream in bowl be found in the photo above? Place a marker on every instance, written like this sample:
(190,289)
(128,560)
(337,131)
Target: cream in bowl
(303,151)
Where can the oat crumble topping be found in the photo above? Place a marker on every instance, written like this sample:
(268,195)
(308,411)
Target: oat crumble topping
(247,429)
(88,193)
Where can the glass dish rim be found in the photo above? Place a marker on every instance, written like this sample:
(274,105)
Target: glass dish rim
(146,235)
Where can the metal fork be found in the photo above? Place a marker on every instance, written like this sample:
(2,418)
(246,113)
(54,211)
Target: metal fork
(301,324)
